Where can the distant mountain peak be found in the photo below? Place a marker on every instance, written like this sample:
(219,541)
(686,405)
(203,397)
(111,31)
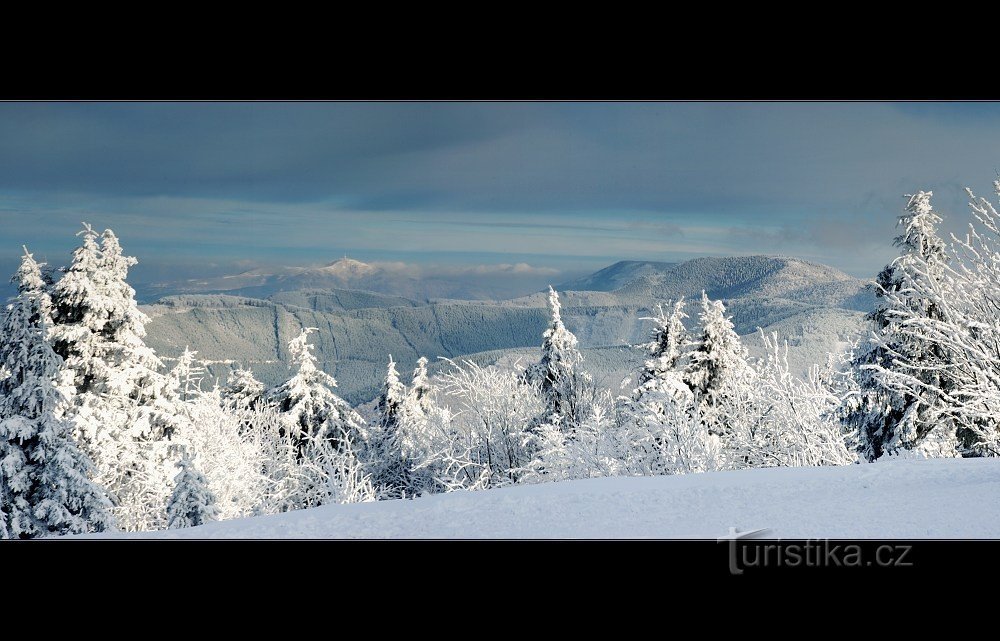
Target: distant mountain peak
(349,267)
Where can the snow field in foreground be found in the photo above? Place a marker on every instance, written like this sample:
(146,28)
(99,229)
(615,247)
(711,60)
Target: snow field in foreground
(937,498)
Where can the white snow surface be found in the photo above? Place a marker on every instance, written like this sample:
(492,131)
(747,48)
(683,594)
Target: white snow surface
(935,498)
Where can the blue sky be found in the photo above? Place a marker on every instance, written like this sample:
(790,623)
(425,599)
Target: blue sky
(197,188)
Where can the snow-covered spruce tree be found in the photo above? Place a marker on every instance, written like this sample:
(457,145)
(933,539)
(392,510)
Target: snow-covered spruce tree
(669,342)
(888,412)
(308,405)
(45,488)
(567,389)
(417,408)
(419,396)
(958,381)
(187,375)
(192,503)
(124,410)
(654,428)
(391,470)
(661,392)
(242,390)
(391,401)
(716,365)
(424,425)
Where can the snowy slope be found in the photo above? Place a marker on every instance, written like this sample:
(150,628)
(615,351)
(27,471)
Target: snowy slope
(615,276)
(758,276)
(897,499)
(812,304)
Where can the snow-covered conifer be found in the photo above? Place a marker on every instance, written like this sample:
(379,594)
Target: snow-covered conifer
(192,503)
(187,375)
(650,421)
(669,341)
(309,407)
(125,410)
(417,407)
(660,380)
(717,356)
(391,470)
(45,485)
(242,390)
(566,387)
(903,387)
(716,363)
(420,393)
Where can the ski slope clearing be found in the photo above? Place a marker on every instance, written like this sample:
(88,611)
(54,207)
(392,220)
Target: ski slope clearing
(937,498)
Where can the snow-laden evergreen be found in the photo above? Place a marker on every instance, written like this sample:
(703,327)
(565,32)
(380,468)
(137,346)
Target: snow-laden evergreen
(187,375)
(192,502)
(566,387)
(124,409)
(45,485)
(945,360)
(888,412)
(419,397)
(243,390)
(391,470)
(716,366)
(970,301)
(669,342)
(417,407)
(320,437)
(657,429)
(716,356)
(661,394)
(309,407)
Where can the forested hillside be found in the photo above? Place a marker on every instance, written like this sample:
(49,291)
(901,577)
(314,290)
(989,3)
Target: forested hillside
(357,329)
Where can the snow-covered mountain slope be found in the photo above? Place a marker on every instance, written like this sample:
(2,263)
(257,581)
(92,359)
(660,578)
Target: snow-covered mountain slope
(757,276)
(352,345)
(336,300)
(937,498)
(389,279)
(811,335)
(358,330)
(615,276)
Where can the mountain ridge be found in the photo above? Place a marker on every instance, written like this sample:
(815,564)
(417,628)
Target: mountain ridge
(357,330)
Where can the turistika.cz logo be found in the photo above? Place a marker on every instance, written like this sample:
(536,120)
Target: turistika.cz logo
(749,549)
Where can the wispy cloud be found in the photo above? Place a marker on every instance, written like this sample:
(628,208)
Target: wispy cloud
(537,182)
